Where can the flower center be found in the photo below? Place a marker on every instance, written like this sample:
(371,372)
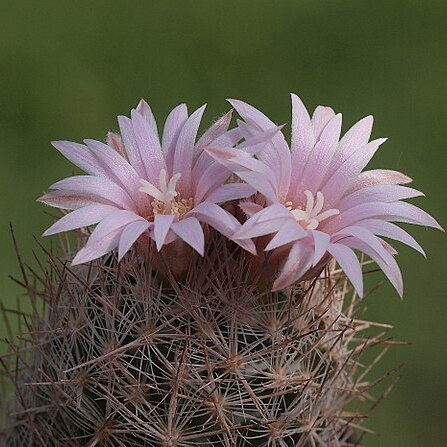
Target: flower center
(311,217)
(166,198)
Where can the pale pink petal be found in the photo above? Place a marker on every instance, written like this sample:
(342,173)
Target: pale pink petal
(397,211)
(110,223)
(145,111)
(129,235)
(229,192)
(261,184)
(240,165)
(319,160)
(215,131)
(118,169)
(130,143)
(275,211)
(267,221)
(229,139)
(254,144)
(106,235)
(184,149)
(289,232)
(174,123)
(80,156)
(377,177)
(71,200)
(149,147)
(391,231)
(349,263)
(298,262)
(223,222)
(364,235)
(320,118)
(342,178)
(321,243)
(252,115)
(207,181)
(303,138)
(162,225)
(270,155)
(96,187)
(378,193)
(98,248)
(277,154)
(354,139)
(83,217)
(190,230)
(116,142)
(387,263)
(250,208)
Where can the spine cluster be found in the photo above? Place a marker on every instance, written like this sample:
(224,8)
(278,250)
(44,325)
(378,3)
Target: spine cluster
(115,355)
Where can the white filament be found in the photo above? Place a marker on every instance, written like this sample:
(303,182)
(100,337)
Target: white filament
(311,217)
(166,191)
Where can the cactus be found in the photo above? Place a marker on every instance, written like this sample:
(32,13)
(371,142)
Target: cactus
(206,308)
(116,354)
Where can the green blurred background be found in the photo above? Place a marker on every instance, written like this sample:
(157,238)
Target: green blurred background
(69,67)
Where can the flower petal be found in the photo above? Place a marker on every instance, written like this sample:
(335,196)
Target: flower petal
(223,222)
(353,140)
(162,225)
(319,160)
(378,177)
(145,111)
(71,200)
(149,147)
(321,243)
(83,217)
(321,117)
(117,167)
(173,125)
(80,156)
(377,193)
(349,263)
(131,145)
(229,192)
(98,248)
(387,263)
(303,138)
(100,187)
(298,262)
(290,231)
(113,221)
(267,221)
(392,231)
(340,179)
(396,211)
(215,131)
(250,208)
(190,230)
(129,235)
(184,149)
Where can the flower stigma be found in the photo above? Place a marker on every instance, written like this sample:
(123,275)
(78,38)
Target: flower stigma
(311,217)
(166,198)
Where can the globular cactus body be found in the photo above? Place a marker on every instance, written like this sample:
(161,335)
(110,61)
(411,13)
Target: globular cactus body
(120,357)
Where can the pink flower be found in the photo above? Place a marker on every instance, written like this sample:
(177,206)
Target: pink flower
(314,198)
(137,185)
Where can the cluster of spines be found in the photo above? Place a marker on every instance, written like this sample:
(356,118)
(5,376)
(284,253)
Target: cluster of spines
(119,357)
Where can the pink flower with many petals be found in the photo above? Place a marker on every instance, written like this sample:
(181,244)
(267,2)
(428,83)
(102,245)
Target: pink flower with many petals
(315,199)
(138,186)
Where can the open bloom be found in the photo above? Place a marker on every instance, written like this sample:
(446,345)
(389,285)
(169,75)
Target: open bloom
(140,186)
(314,198)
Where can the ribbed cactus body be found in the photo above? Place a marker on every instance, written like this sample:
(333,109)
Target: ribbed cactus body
(121,357)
